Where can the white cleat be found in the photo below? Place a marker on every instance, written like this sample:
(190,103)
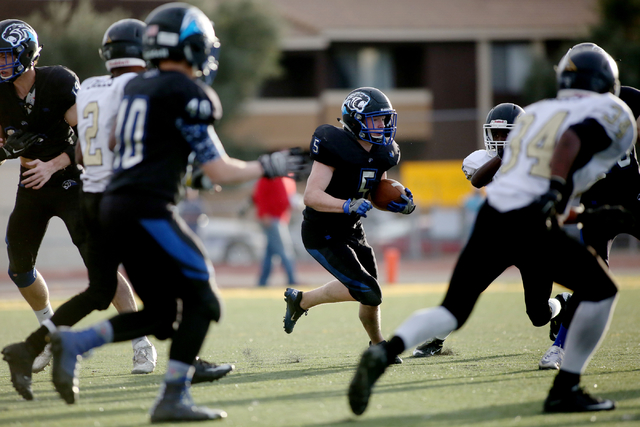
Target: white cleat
(42,360)
(552,359)
(144,358)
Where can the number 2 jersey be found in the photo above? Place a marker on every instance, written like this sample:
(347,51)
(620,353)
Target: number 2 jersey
(604,124)
(356,170)
(163,117)
(98,101)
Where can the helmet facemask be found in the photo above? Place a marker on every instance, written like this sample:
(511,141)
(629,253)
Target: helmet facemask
(495,135)
(373,133)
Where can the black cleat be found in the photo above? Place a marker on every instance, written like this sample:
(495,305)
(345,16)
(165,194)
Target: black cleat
(554,324)
(174,403)
(292,297)
(429,348)
(372,365)
(20,362)
(576,400)
(65,366)
(208,372)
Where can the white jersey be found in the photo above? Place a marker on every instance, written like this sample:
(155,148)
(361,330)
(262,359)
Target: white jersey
(473,161)
(525,172)
(98,101)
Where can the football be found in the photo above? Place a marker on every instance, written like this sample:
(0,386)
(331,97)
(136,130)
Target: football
(387,190)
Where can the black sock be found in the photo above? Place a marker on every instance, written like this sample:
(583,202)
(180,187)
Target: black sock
(565,381)
(394,347)
(37,340)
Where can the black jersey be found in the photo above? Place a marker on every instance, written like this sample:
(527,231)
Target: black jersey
(621,185)
(43,111)
(356,170)
(164,115)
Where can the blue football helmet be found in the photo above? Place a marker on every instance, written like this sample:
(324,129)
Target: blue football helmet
(19,48)
(179,31)
(359,110)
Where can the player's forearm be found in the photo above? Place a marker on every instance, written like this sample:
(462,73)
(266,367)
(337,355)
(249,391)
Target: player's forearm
(322,202)
(61,161)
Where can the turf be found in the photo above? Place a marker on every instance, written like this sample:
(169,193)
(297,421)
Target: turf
(488,377)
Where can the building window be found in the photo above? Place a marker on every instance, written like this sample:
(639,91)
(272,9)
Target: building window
(511,63)
(364,66)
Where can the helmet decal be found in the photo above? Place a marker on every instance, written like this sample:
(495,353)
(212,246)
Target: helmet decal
(17,33)
(196,22)
(357,101)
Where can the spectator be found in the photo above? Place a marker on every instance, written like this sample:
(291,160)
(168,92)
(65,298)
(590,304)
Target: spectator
(273,199)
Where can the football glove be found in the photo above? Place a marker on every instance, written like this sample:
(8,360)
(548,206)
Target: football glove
(17,143)
(284,163)
(357,206)
(405,207)
(549,203)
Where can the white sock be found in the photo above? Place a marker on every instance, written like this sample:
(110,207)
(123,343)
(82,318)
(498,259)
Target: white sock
(50,326)
(44,314)
(143,342)
(588,326)
(555,307)
(426,324)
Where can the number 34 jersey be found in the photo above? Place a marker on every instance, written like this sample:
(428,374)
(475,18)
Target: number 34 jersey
(97,101)
(525,171)
(163,117)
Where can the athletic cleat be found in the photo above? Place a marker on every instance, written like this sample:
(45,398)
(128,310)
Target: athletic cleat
(65,366)
(292,297)
(554,324)
(429,348)
(42,360)
(20,361)
(372,365)
(208,372)
(174,403)
(144,358)
(552,359)
(576,400)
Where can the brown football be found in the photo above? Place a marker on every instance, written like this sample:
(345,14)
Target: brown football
(387,190)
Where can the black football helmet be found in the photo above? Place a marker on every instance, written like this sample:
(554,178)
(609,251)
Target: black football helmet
(589,67)
(361,106)
(19,44)
(122,44)
(500,119)
(180,31)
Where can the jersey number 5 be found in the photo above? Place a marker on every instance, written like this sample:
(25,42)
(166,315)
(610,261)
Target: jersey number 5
(130,132)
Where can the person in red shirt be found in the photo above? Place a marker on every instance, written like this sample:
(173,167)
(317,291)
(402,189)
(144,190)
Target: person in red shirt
(272,198)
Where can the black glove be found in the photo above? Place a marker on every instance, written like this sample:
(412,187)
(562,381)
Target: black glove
(357,206)
(17,143)
(406,207)
(615,218)
(284,163)
(549,203)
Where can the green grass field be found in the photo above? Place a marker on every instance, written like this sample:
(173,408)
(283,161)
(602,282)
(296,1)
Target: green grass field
(489,376)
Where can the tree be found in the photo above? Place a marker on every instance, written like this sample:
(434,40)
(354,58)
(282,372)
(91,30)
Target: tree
(248,31)
(619,34)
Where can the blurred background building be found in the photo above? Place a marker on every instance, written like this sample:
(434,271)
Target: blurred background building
(443,64)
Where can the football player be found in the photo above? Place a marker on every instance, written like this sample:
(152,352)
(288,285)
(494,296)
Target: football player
(165,114)
(347,163)
(40,135)
(558,149)
(123,45)
(611,207)
(480,167)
